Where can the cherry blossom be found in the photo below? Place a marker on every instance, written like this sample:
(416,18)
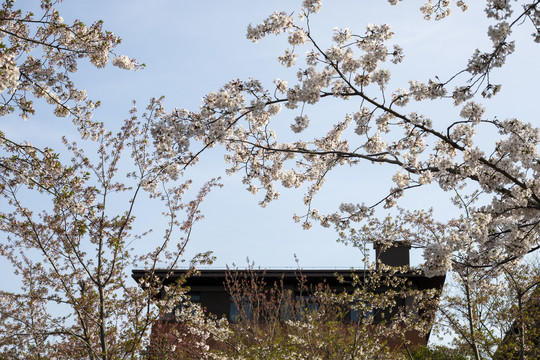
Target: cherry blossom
(354,67)
(29,76)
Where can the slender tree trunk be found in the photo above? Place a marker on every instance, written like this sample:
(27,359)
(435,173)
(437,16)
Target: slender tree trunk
(101,292)
(102,325)
(353,355)
(471,322)
(521,333)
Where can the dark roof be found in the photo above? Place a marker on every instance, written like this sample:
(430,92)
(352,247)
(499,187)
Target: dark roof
(289,276)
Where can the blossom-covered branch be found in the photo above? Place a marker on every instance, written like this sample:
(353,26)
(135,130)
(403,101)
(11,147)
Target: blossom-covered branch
(385,129)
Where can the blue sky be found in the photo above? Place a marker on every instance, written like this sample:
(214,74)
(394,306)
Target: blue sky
(191,48)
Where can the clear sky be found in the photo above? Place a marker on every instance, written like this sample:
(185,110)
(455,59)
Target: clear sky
(193,47)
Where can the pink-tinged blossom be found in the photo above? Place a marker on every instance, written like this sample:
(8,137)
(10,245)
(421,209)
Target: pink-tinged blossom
(123,62)
(300,124)
(472,111)
(281,85)
(9,72)
(438,259)
(298,37)
(312,6)
(288,59)
(274,24)
(61,110)
(341,36)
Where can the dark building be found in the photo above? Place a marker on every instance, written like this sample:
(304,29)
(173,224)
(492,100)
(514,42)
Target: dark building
(208,287)
(212,287)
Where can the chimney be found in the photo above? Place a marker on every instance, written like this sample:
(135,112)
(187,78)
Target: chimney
(396,255)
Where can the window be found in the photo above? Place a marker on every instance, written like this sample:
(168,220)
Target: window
(240,309)
(195,296)
(305,304)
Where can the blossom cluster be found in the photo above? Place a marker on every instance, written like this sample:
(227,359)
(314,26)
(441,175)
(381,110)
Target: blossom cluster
(9,72)
(42,54)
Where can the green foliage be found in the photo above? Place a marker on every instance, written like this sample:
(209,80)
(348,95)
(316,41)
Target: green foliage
(438,352)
